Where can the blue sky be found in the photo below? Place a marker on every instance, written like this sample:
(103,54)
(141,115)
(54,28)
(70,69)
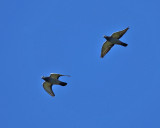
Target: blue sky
(58,36)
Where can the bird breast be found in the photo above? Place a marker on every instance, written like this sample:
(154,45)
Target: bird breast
(114,40)
(54,81)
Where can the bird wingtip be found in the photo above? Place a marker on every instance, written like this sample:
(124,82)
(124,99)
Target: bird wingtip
(101,56)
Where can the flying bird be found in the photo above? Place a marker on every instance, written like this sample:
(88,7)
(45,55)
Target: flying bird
(52,80)
(112,40)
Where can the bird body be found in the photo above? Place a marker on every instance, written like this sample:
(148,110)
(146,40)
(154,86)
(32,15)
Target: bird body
(52,80)
(112,40)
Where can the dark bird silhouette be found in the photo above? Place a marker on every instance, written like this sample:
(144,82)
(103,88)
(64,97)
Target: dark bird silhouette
(112,40)
(52,80)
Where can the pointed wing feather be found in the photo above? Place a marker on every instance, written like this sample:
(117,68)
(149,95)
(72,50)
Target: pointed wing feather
(56,76)
(105,48)
(48,87)
(119,34)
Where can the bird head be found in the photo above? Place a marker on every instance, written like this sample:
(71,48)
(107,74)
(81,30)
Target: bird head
(106,37)
(44,78)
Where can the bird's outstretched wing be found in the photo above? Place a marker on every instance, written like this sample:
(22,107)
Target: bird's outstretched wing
(48,87)
(105,48)
(119,34)
(56,76)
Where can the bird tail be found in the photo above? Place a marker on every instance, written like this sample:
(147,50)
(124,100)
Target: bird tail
(63,84)
(123,44)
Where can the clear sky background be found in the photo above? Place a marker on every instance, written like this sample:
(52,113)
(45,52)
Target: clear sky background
(39,37)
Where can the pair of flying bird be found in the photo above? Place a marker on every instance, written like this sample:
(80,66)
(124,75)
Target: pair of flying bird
(110,42)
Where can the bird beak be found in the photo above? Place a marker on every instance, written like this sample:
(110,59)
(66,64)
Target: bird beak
(106,37)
